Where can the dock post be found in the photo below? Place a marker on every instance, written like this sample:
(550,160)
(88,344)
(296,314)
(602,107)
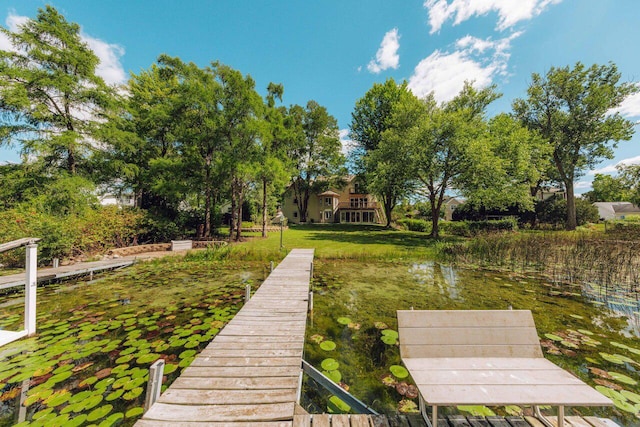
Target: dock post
(56,262)
(311,271)
(155,383)
(247,293)
(311,301)
(30,288)
(271,267)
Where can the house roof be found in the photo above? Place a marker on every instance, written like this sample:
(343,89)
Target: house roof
(329,193)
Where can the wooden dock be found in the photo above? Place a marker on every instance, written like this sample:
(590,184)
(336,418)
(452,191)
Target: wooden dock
(415,420)
(251,371)
(67,271)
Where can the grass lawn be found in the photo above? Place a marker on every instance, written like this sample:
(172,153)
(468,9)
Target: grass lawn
(341,241)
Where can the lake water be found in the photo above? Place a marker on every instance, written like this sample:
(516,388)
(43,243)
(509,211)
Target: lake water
(591,331)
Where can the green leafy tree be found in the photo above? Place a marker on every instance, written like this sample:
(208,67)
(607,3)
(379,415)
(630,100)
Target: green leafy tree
(630,177)
(50,95)
(450,145)
(316,150)
(274,166)
(242,126)
(379,124)
(141,155)
(571,108)
(607,188)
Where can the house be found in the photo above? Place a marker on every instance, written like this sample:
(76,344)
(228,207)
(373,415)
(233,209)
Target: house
(350,204)
(616,210)
(449,204)
(545,193)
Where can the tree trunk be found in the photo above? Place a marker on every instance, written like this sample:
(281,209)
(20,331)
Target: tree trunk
(264,207)
(572,222)
(232,220)
(207,201)
(435,218)
(388,207)
(240,201)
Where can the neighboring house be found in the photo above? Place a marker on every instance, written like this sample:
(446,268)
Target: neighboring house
(548,192)
(616,210)
(337,205)
(114,199)
(449,205)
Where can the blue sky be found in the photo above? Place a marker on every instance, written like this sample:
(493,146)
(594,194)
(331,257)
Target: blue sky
(333,51)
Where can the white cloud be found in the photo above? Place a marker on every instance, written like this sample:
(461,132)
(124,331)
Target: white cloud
(347,144)
(12,23)
(630,107)
(387,55)
(109,67)
(612,168)
(109,55)
(582,185)
(510,12)
(478,60)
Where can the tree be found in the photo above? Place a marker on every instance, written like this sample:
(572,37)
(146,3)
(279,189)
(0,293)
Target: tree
(317,152)
(630,177)
(378,126)
(49,91)
(572,110)
(450,146)
(274,167)
(607,188)
(241,127)
(142,142)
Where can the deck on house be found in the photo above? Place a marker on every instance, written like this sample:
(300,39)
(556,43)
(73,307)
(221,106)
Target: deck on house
(250,372)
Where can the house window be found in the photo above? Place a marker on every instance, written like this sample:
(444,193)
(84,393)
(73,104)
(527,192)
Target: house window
(295,214)
(295,201)
(328,201)
(327,214)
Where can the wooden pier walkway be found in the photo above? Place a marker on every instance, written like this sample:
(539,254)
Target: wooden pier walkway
(251,371)
(72,270)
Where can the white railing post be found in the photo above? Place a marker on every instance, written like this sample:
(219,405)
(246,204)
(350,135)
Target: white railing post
(247,293)
(155,383)
(30,288)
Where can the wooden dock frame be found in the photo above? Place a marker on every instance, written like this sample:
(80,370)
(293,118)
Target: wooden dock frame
(30,289)
(251,371)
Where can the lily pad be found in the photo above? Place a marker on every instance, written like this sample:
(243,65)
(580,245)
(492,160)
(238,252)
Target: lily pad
(132,394)
(612,358)
(330,364)
(334,375)
(169,368)
(554,337)
(344,320)
(622,378)
(337,406)
(328,345)
(147,358)
(99,413)
(631,396)
(399,371)
(380,325)
(134,412)
(407,406)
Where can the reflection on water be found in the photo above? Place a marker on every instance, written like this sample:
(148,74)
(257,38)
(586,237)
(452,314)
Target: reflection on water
(444,277)
(623,302)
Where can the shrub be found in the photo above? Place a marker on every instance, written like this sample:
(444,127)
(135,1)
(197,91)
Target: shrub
(415,225)
(554,211)
(623,229)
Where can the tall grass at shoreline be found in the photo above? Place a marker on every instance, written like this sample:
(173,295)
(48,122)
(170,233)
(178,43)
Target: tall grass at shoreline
(561,257)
